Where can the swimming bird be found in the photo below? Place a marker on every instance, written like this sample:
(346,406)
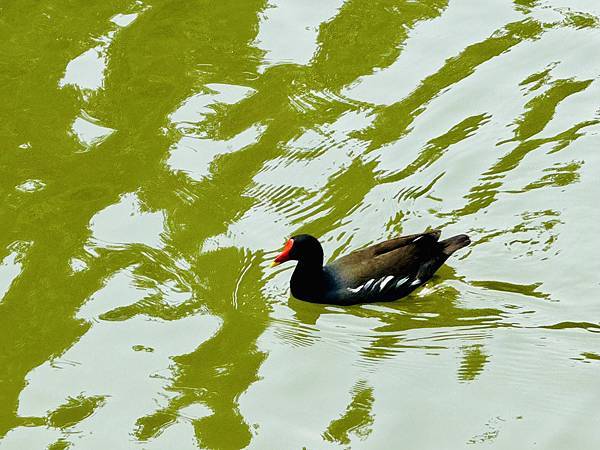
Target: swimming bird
(385,271)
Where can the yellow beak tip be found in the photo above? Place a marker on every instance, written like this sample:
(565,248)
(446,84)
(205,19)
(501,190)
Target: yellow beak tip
(274,263)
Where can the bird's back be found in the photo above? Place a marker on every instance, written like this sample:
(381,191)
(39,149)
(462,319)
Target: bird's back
(390,269)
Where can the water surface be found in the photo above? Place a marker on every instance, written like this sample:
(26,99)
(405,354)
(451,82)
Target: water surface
(155,155)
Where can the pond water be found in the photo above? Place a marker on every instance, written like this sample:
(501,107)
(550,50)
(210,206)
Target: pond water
(156,154)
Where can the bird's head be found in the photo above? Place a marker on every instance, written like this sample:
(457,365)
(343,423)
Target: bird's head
(302,247)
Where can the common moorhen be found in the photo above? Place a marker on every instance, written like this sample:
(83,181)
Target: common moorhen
(382,272)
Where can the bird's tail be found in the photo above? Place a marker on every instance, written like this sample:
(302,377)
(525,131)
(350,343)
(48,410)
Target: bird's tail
(454,243)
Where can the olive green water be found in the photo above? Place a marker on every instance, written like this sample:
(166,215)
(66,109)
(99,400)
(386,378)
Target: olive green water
(155,154)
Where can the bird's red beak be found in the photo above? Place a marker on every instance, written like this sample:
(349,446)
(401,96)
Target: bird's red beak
(285,253)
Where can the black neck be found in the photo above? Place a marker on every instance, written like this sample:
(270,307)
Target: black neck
(308,279)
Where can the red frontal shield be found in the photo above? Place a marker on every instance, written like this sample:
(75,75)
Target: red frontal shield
(285,253)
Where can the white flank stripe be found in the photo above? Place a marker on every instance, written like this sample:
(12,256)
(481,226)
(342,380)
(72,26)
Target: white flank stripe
(356,289)
(401,282)
(385,281)
(369,283)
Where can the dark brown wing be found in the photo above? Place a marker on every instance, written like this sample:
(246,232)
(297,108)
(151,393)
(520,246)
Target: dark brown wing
(400,257)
